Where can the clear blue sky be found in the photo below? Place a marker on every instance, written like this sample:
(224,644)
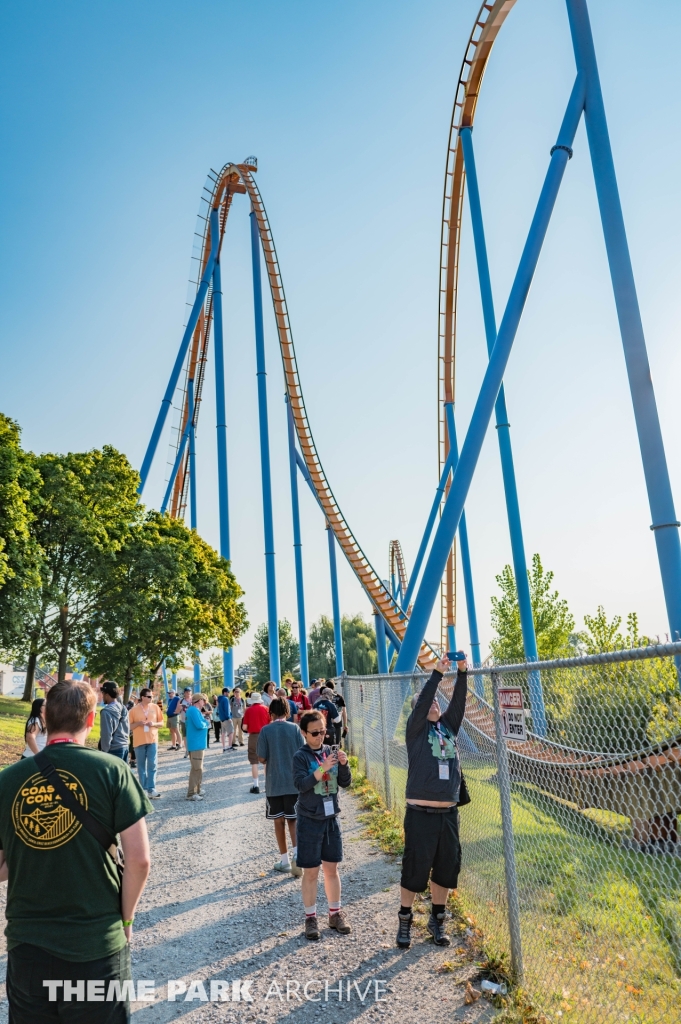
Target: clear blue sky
(113,113)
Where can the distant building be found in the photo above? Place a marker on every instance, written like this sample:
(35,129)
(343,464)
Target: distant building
(12,680)
(244,672)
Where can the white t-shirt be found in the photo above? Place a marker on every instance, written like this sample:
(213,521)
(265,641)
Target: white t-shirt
(39,738)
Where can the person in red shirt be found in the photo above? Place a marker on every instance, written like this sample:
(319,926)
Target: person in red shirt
(256,717)
(299,697)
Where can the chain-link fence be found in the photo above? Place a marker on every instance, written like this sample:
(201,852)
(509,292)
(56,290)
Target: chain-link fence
(571,852)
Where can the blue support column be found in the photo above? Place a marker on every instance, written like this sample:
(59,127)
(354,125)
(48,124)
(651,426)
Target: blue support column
(181,355)
(504,437)
(465,563)
(381,652)
(297,546)
(192,456)
(272,620)
(665,525)
(337,630)
(221,418)
(484,407)
(173,681)
(197,673)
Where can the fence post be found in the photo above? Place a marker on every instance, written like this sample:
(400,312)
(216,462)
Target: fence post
(386,748)
(507,833)
(365,741)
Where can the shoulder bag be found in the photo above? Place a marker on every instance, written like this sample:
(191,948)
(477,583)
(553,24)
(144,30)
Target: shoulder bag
(94,827)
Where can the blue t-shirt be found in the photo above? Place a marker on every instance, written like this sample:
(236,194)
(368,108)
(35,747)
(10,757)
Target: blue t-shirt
(172,706)
(197,729)
(224,708)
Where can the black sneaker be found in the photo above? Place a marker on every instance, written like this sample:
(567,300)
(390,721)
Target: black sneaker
(436,927)
(254,789)
(404,930)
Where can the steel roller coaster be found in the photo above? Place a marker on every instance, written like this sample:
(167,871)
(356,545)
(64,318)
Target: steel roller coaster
(401,622)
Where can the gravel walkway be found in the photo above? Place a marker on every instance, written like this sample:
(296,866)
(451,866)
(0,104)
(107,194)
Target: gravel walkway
(214,909)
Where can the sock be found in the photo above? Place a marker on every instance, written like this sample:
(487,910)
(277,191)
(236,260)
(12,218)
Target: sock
(311,911)
(404,911)
(334,907)
(294,851)
(284,859)
(438,908)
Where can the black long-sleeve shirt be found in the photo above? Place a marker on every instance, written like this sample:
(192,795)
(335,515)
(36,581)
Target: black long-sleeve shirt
(423,778)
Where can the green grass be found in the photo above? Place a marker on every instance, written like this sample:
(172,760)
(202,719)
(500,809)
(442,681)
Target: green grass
(13,715)
(601,925)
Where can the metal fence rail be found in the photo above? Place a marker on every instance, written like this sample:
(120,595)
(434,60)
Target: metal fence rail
(571,852)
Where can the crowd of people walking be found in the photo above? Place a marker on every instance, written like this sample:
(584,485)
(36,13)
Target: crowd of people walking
(68,812)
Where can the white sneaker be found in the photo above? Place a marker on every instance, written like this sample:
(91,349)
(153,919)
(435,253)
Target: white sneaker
(154,794)
(195,797)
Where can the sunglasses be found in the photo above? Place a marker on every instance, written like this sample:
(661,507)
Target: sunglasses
(318,733)
(146,696)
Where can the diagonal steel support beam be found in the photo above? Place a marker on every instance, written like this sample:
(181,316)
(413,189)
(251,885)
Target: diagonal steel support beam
(181,355)
(504,437)
(494,375)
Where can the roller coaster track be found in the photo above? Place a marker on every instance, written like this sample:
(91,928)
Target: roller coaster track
(491,17)
(221,188)
(398,568)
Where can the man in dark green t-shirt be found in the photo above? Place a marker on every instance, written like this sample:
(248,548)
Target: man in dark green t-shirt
(69,918)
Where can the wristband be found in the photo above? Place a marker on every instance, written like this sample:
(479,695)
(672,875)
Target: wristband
(128,924)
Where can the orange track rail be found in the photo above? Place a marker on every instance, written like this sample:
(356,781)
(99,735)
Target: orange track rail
(234,178)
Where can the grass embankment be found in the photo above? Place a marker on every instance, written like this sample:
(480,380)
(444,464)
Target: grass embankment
(13,715)
(601,924)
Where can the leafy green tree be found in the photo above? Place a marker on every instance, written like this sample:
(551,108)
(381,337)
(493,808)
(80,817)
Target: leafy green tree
(166,593)
(19,553)
(602,635)
(359,647)
(321,649)
(553,622)
(83,509)
(289,651)
(215,671)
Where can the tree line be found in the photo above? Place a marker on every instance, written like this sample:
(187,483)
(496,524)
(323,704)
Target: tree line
(89,575)
(359,649)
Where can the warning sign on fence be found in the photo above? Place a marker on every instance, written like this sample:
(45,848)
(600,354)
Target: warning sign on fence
(512,714)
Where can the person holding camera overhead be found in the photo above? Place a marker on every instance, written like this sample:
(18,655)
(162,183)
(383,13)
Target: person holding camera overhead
(432,850)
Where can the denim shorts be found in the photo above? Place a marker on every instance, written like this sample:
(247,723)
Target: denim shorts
(318,840)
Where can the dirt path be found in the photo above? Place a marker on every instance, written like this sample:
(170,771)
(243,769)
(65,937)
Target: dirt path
(214,909)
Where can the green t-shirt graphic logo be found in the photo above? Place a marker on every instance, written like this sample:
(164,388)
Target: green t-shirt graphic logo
(39,816)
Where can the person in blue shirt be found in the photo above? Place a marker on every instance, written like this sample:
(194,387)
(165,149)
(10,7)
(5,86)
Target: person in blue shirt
(172,714)
(198,724)
(226,724)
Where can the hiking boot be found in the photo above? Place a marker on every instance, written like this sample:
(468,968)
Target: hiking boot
(436,927)
(338,921)
(311,928)
(404,930)
(295,870)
